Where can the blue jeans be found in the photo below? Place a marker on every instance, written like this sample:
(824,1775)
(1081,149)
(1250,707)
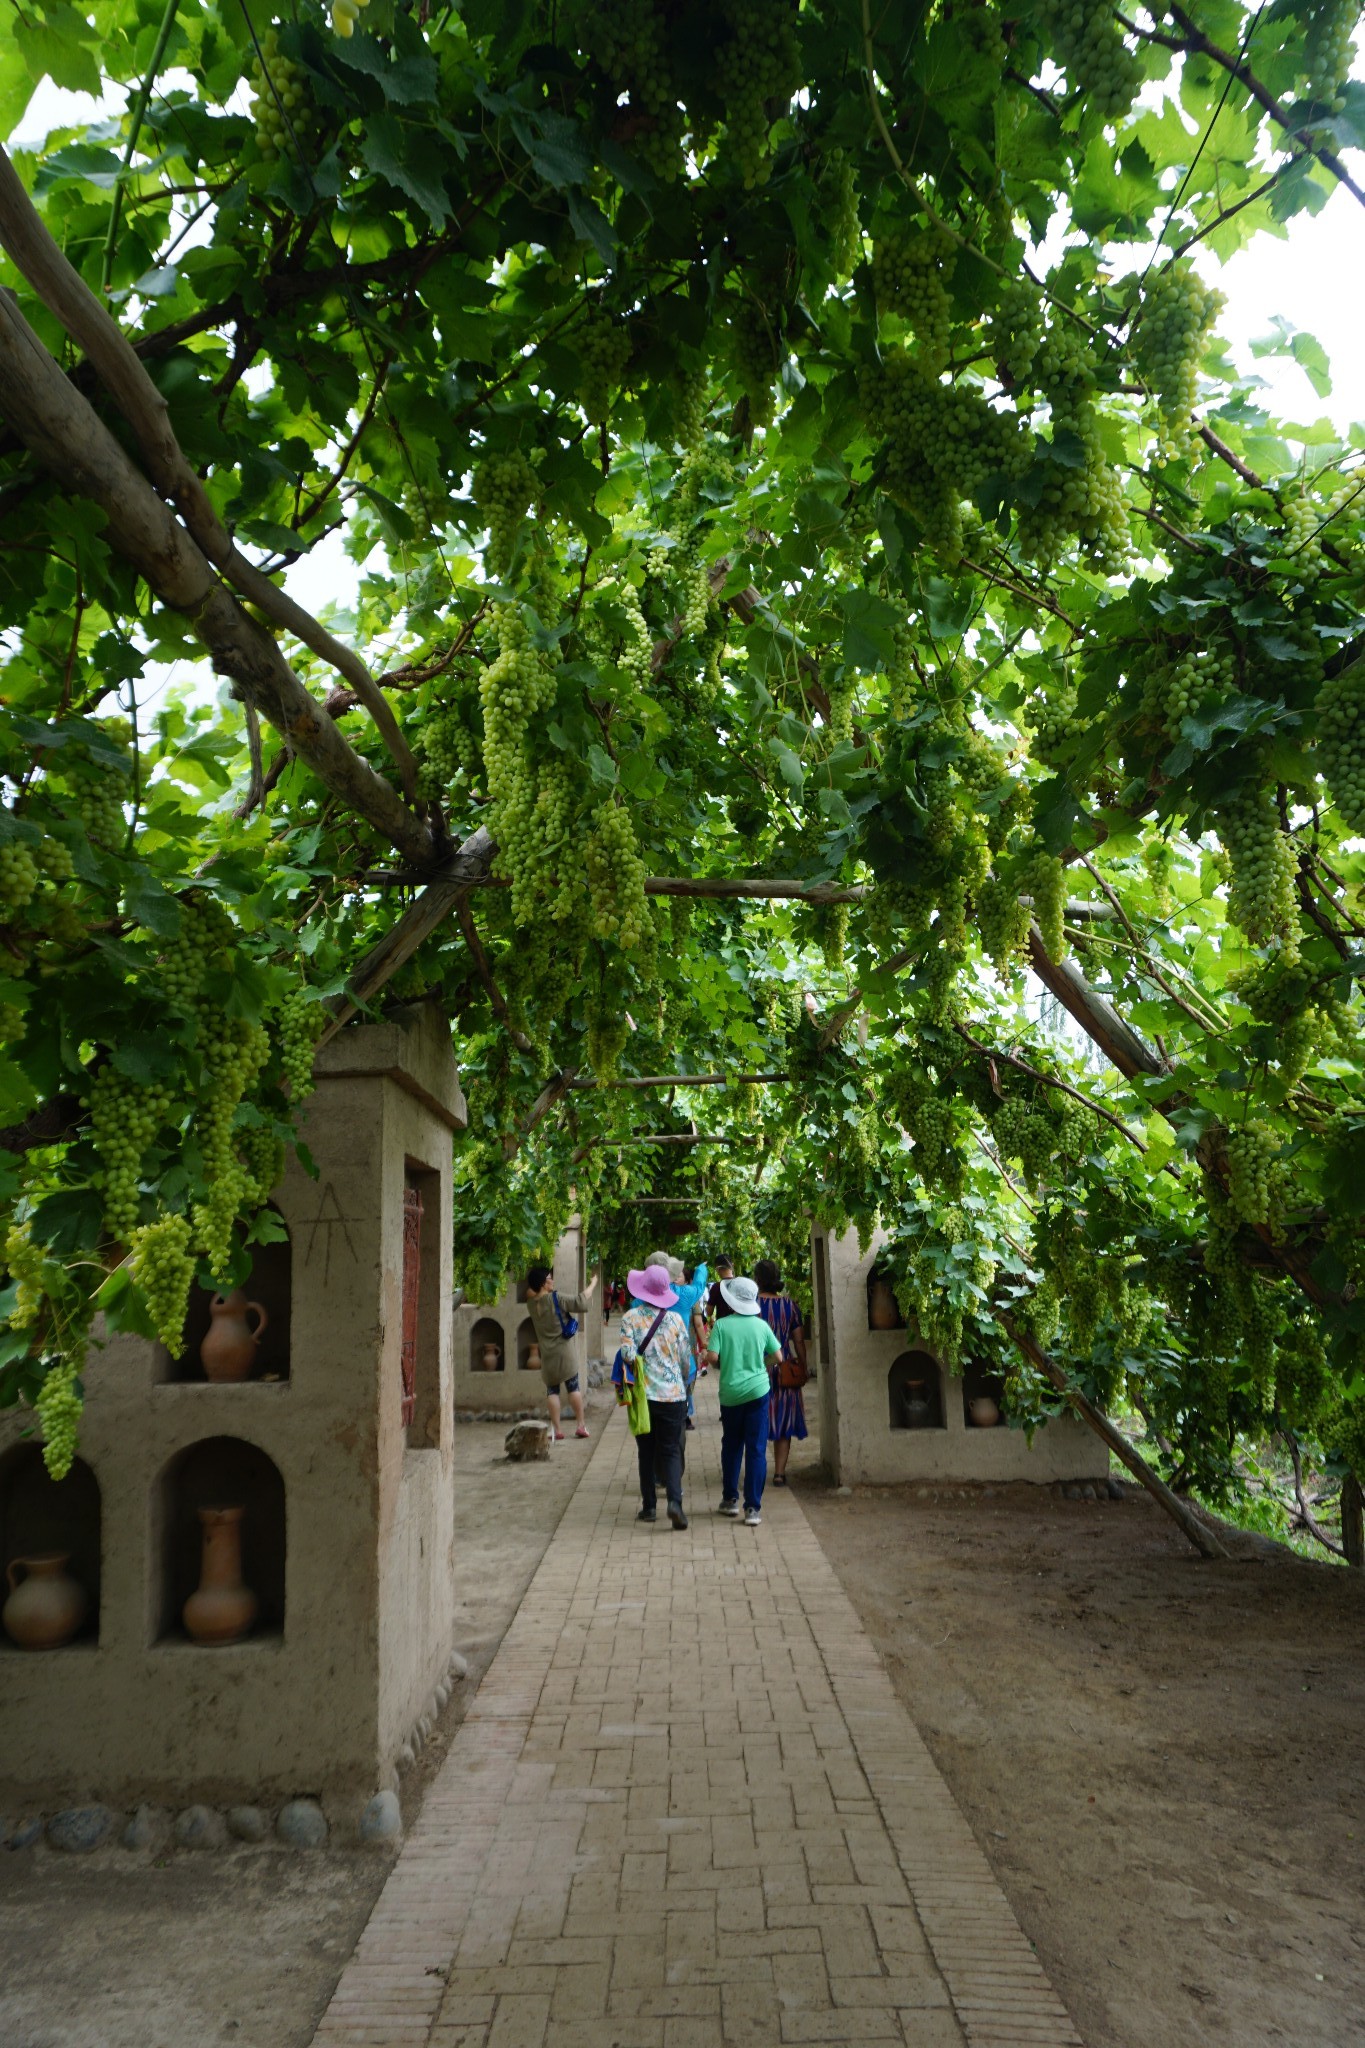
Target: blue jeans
(744,1434)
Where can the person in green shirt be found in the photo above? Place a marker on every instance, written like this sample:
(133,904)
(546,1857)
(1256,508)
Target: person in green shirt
(741,1345)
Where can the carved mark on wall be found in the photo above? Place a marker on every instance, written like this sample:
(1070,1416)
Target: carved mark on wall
(328,1221)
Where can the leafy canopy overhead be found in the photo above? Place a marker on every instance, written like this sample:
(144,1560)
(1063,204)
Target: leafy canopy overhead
(773,441)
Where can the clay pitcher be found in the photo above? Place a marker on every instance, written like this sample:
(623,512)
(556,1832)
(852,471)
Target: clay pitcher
(490,1358)
(915,1405)
(46,1605)
(532,1357)
(229,1350)
(882,1312)
(223,1609)
(984,1411)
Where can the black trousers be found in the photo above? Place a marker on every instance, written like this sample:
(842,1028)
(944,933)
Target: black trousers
(661,1454)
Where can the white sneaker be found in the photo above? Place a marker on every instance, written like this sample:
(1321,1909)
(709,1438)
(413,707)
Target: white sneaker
(729,1507)
(752,1518)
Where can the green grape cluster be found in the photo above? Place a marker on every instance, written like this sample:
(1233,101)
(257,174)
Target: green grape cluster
(345,15)
(125,1117)
(1024,1133)
(1084,499)
(631,38)
(614,631)
(1173,689)
(689,394)
(1303,523)
(602,344)
(1255,1177)
(448,749)
(1055,725)
(203,944)
(1002,923)
(12,1022)
(1178,311)
(18,876)
(1341,744)
(942,443)
(1087,43)
(280,101)
(263,1157)
(755,344)
(930,1124)
(1044,879)
(911,272)
(59,1406)
(616,877)
(55,860)
(505,488)
(298,1026)
(607,1033)
(1329,51)
(1261,900)
(25,1260)
(759,68)
(843,230)
(163,1268)
(1015,332)
(696,597)
(232,1050)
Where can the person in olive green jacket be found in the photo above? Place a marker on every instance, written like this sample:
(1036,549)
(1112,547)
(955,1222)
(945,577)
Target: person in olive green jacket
(559,1354)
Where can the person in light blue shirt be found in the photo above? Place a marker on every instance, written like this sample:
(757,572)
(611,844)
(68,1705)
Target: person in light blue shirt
(690,1295)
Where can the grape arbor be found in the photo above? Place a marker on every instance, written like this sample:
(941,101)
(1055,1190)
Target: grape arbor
(818,576)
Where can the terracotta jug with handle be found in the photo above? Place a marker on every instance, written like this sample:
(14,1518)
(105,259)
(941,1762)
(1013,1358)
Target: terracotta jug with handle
(229,1351)
(222,1609)
(46,1605)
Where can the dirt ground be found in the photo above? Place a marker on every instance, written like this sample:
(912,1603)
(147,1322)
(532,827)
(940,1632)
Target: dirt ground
(161,1950)
(1162,1758)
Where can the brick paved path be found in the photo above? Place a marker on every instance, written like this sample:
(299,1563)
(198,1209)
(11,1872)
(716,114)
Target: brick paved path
(687,1811)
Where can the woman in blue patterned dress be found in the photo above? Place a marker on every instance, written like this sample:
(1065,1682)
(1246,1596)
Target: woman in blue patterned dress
(786,1409)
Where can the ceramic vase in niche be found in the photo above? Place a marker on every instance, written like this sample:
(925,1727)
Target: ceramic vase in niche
(984,1411)
(532,1357)
(230,1349)
(46,1605)
(882,1312)
(223,1609)
(490,1357)
(915,1405)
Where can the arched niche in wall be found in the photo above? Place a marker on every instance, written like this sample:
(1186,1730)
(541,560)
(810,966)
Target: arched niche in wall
(42,1517)
(485,1332)
(271,1284)
(982,1382)
(883,1310)
(220,1472)
(914,1390)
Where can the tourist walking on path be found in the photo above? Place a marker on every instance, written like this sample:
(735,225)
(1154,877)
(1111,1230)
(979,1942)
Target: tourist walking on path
(786,1409)
(651,1328)
(691,1292)
(741,1345)
(552,1316)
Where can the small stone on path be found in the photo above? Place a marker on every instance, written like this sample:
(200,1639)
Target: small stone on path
(527,1441)
(78,1829)
(303,1824)
(25,1833)
(458,1666)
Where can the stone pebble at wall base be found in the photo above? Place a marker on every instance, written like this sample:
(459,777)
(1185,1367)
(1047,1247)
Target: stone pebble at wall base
(302,1823)
(25,1833)
(248,1823)
(381,1824)
(199,1827)
(78,1829)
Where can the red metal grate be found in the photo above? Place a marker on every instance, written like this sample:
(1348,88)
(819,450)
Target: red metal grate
(412,1289)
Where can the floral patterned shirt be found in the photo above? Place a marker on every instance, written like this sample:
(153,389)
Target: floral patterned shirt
(669,1357)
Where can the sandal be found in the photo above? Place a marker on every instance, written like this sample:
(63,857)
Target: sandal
(779,1479)
(559,1436)
(580,1432)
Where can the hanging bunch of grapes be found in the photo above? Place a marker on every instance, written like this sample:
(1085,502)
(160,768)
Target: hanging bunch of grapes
(505,488)
(616,877)
(601,342)
(1079,492)
(1087,43)
(630,38)
(1341,743)
(280,105)
(758,70)
(1178,313)
(1261,898)
(1329,51)
(911,272)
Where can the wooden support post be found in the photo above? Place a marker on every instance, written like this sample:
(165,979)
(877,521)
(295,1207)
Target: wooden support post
(1203,1539)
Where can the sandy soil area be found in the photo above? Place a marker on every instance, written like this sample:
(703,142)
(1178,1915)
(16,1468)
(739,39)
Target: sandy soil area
(1162,1758)
(124,1950)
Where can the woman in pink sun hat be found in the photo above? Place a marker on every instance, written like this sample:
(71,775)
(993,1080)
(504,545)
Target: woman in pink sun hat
(652,1329)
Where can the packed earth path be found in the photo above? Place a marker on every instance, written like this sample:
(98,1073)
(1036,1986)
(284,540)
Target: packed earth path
(686,1809)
